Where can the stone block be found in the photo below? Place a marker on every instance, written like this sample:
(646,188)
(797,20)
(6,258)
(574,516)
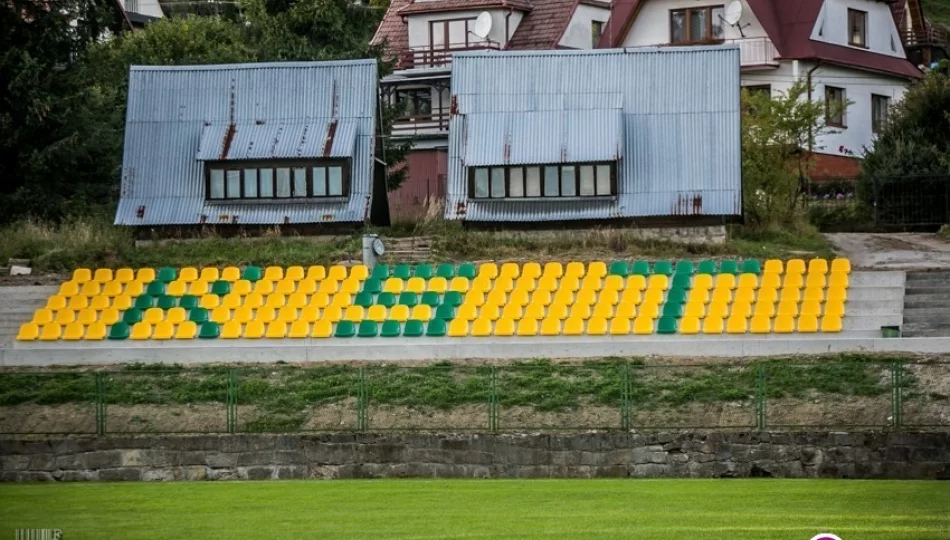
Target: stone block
(120,474)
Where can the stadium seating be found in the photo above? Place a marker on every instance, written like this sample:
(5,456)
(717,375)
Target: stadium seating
(598,298)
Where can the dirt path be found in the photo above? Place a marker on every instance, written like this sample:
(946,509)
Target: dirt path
(894,251)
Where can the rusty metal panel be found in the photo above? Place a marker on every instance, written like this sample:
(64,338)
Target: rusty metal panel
(424,184)
(289,104)
(679,133)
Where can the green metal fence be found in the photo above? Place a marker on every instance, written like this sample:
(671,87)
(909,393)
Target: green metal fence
(606,395)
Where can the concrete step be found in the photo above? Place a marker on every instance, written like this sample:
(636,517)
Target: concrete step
(929,312)
(875,279)
(874,322)
(918,331)
(926,301)
(867,308)
(31,290)
(876,294)
(915,276)
(936,293)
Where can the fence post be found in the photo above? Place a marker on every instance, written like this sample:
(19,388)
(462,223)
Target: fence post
(493,401)
(897,395)
(100,404)
(361,402)
(760,397)
(625,397)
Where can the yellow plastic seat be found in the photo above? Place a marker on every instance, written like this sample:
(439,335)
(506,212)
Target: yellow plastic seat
(231,274)
(790,294)
(767,295)
(626,310)
(422,312)
(649,309)
(276,301)
(51,332)
(82,275)
(841,266)
(316,273)
(480,283)
(436,284)
(322,329)
(337,272)
(163,330)
(748,281)
(722,295)
(643,326)
(597,326)
(186,330)
(309,314)
(547,283)
(209,274)
(818,266)
(770,281)
(761,324)
(834,308)
(78,302)
(28,332)
(398,312)
(285,287)
(393,285)
(572,327)
(580,311)
(592,283)
(543,298)
(603,310)
(597,268)
(377,313)
(795,266)
(416,285)
(99,303)
(467,312)
(696,310)
(109,316)
(703,282)
(838,279)
(341,299)
(510,270)
(550,327)
(177,288)
(243,315)
(231,301)
(231,330)
(611,297)
(491,312)
(519,297)
(504,327)
(112,289)
(553,269)
(613,283)
(631,296)
(198,288)
(816,280)
(481,327)
(242,287)
(87,316)
(265,314)
(658,282)
(188,274)
(141,330)
(287,314)
(535,311)
(810,307)
(690,325)
(814,294)
(254,330)
(764,308)
(145,275)
(306,286)
(264,287)
(574,269)
(619,326)
(736,325)
(563,297)
(90,288)
(488,271)
(56,302)
(831,324)
(585,296)
(65,316)
(741,309)
(354,314)
(787,308)
(319,300)
(69,289)
(122,302)
(513,311)
(836,294)
(527,327)
(784,324)
(124,275)
(209,301)
(459,284)
(458,328)
(276,330)
(531,270)
(712,325)
(296,273)
(773,266)
(700,296)
(273,273)
(154,315)
(95,332)
(744,295)
(526,283)
(569,283)
(807,324)
(726,281)
(717,310)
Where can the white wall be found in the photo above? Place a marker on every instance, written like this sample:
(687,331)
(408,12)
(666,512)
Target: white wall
(150,8)
(419,25)
(578,34)
(881,33)
(652,26)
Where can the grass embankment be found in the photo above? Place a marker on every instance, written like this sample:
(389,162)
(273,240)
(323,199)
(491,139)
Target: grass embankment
(835,390)
(523,509)
(95,242)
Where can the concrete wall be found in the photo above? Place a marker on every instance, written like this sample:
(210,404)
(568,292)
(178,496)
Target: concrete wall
(691,454)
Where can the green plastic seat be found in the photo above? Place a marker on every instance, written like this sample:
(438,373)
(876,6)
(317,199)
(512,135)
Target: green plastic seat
(619,268)
(410,299)
(467,270)
(706,267)
(373,285)
(666,325)
(436,328)
(132,316)
(345,329)
(368,329)
(445,270)
(681,281)
(445,311)
(380,272)
(252,273)
(120,330)
(402,271)
(751,266)
(676,296)
(640,268)
(198,315)
(453,298)
(729,266)
(684,267)
(413,328)
(423,271)
(674,310)
(390,329)
(364,299)
(166,274)
(220,287)
(189,301)
(387,299)
(431,298)
(209,330)
(663,267)
(155,288)
(144,302)
(166,302)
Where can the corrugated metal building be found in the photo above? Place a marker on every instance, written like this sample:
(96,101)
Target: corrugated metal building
(275,143)
(592,135)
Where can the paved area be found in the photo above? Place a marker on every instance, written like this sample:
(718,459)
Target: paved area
(892,251)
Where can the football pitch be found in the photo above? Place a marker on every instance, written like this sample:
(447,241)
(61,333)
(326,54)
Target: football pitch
(422,509)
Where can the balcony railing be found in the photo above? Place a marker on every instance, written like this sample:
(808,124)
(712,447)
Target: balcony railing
(428,57)
(931,37)
(756,52)
(429,124)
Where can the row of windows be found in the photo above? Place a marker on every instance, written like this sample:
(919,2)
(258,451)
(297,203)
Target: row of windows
(270,181)
(515,181)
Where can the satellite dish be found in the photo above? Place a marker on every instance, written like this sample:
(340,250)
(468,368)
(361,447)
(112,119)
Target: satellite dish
(482,25)
(733,12)
(378,247)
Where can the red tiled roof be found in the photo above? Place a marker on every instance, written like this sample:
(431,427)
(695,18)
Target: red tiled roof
(392,28)
(621,17)
(434,6)
(544,26)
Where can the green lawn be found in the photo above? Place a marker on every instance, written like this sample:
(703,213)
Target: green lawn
(644,509)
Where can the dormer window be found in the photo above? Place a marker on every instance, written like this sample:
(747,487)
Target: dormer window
(857,28)
(696,25)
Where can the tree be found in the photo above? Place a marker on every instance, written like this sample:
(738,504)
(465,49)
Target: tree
(778,133)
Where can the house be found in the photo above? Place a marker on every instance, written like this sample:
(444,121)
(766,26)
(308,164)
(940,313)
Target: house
(850,51)
(647,134)
(250,144)
(140,12)
(422,36)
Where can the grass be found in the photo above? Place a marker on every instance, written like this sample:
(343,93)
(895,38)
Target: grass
(403,509)
(937,12)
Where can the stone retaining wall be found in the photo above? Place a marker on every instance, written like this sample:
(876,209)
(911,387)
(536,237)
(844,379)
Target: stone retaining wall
(689,454)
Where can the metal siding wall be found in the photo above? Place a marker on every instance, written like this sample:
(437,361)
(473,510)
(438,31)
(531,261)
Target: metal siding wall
(169,107)
(681,127)
(425,181)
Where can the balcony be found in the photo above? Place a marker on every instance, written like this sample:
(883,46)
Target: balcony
(433,57)
(435,124)
(756,52)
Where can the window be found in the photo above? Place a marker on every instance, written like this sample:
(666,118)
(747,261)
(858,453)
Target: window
(292,179)
(696,25)
(857,28)
(452,34)
(759,89)
(417,101)
(596,30)
(834,106)
(879,108)
(547,181)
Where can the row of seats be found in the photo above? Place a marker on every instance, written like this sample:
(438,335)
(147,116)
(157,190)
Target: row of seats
(211,274)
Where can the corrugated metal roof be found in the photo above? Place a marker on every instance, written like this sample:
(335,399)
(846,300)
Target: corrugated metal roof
(523,138)
(680,127)
(171,107)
